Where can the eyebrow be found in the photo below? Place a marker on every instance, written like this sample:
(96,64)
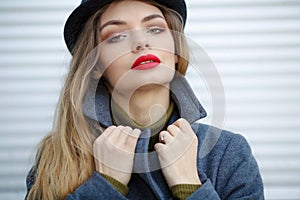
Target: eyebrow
(119,22)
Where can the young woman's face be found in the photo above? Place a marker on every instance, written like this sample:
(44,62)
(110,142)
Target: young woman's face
(137,48)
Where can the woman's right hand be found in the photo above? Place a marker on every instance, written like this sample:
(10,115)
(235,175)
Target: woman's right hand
(114,152)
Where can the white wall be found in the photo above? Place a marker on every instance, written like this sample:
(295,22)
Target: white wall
(255,46)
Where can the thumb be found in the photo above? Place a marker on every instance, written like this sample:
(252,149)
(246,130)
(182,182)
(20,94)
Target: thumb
(159,146)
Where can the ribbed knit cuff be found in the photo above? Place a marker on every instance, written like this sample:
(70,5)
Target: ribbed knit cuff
(182,191)
(123,189)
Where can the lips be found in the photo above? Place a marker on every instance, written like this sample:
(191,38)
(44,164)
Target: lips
(146,62)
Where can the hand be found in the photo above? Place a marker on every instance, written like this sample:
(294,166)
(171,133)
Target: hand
(114,152)
(177,154)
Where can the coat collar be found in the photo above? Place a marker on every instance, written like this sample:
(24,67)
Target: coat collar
(96,103)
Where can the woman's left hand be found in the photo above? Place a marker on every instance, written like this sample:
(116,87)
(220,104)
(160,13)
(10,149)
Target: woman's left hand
(177,152)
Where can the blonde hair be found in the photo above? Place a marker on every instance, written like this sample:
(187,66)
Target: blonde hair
(64,159)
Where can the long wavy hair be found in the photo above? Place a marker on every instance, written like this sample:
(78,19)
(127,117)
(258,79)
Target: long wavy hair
(64,158)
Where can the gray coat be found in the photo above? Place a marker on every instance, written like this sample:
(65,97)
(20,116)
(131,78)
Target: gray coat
(226,166)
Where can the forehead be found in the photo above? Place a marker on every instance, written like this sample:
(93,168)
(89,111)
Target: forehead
(128,9)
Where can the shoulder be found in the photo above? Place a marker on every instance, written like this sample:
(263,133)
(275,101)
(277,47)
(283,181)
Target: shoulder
(213,140)
(226,159)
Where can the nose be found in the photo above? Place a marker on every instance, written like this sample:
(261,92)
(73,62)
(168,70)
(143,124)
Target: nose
(140,42)
(140,47)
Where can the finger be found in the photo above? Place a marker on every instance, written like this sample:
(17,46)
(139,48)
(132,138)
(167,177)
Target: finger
(133,136)
(173,130)
(178,122)
(159,146)
(126,130)
(113,137)
(106,133)
(136,133)
(165,137)
(116,141)
(184,125)
(131,140)
(123,134)
(108,130)
(106,138)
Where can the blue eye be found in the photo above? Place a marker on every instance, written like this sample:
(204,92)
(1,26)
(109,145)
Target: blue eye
(155,30)
(117,38)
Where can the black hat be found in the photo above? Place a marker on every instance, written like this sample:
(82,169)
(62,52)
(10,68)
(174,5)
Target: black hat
(87,8)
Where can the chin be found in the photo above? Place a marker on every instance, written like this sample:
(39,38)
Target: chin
(148,79)
(160,77)
(146,84)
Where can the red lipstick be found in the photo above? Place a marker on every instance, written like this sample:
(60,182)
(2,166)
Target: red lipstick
(146,62)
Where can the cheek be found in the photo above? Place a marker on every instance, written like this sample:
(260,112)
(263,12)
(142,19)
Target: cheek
(115,71)
(111,75)
(111,53)
(164,43)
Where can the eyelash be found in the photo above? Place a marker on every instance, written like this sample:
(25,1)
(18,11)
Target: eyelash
(155,30)
(117,38)
(120,36)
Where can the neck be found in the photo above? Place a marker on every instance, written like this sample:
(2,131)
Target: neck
(145,106)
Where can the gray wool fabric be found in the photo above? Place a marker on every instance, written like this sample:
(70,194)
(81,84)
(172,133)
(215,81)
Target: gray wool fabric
(228,171)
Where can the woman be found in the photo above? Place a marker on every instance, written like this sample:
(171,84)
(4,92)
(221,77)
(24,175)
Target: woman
(126,123)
